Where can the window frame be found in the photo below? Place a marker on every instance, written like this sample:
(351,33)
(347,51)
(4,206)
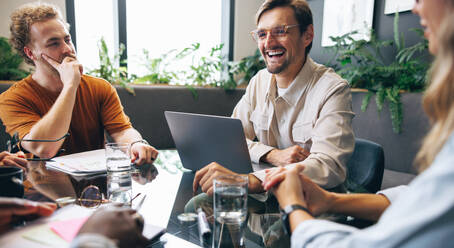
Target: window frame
(227,26)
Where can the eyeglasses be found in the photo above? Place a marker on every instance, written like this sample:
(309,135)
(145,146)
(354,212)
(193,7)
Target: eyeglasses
(277,32)
(91,197)
(14,145)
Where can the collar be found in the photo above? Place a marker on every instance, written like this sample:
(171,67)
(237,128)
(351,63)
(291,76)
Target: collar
(298,85)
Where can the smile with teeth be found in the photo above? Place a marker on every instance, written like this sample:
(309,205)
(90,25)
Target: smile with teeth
(275,53)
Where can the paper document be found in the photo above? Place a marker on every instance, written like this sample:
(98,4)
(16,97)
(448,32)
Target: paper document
(79,164)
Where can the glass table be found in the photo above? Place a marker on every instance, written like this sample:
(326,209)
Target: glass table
(166,184)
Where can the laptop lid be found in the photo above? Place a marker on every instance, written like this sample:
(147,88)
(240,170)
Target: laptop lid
(202,139)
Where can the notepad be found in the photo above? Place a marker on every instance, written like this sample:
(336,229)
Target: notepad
(80,164)
(67,229)
(43,235)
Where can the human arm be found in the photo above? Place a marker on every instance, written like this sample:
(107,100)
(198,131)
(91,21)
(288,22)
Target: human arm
(204,179)
(318,200)
(55,123)
(141,152)
(109,225)
(283,157)
(16,160)
(12,208)
(329,136)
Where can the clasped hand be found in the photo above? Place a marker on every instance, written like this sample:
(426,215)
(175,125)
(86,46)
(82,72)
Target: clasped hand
(290,186)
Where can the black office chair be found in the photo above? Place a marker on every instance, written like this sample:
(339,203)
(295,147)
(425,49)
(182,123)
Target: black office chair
(365,167)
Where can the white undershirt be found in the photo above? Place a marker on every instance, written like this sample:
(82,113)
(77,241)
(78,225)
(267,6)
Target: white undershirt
(281,91)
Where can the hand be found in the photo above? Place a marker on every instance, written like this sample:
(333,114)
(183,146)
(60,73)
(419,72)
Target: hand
(286,156)
(285,185)
(143,154)
(13,207)
(204,177)
(17,160)
(70,70)
(116,223)
(316,199)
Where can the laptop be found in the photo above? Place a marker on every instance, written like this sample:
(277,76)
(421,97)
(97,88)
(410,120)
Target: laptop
(202,139)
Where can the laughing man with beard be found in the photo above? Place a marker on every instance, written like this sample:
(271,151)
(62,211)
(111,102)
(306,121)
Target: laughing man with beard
(295,111)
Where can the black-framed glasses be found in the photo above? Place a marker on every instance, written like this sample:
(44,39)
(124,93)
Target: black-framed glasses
(14,145)
(277,32)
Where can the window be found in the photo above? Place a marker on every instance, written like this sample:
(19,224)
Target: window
(157,26)
(160,26)
(93,19)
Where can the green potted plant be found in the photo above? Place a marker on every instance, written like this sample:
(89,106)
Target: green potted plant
(362,64)
(10,63)
(117,75)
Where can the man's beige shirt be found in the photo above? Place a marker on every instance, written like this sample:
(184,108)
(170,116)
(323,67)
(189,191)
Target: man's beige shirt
(315,112)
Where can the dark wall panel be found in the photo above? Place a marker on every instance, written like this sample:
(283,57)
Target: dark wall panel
(382,24)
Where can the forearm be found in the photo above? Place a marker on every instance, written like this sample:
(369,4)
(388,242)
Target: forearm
(54,124)
(363,206)
(126,136)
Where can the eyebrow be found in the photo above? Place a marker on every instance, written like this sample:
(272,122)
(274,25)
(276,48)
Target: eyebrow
(56,39)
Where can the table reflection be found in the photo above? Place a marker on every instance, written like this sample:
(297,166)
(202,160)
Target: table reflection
(167,186)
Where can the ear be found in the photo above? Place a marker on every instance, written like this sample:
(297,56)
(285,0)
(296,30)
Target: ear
(29,53)
(308,36)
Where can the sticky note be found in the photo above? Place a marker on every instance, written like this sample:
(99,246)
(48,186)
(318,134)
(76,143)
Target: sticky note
(67,229)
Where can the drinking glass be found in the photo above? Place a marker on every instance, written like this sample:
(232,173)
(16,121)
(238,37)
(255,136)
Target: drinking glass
(118,163)
(230,210)
(117,157)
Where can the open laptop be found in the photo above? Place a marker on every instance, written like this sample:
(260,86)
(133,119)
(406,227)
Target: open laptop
(202,139)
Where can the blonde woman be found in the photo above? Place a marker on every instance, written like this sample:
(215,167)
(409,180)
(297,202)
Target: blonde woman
(418,215)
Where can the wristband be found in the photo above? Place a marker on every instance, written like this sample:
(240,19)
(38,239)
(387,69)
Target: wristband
(285,213)
(139,141)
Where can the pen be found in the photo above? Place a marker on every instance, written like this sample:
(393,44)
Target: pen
(204,228)
(139,205)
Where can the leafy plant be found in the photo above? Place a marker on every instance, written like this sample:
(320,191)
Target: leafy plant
(362,64)
(157,69)
(247,67)
(109,70)
(10,62)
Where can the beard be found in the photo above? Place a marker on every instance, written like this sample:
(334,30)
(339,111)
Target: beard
(276,69)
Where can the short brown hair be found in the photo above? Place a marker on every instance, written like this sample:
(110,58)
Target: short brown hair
(24,17)
(303,13)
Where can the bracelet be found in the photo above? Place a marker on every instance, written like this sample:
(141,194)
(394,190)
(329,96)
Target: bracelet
(139,141)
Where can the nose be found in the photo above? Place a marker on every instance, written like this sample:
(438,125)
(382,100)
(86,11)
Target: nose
(68,48)
(269,40)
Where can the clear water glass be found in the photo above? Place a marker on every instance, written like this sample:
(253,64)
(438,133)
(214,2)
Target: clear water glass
(119,187)
(118,163)
(230,210)
(117,157)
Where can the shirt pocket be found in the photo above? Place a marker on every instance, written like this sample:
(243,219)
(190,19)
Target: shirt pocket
(302,135)
(259,120)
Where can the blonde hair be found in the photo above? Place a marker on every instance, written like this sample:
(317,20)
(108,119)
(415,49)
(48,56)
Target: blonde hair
(438,101)
(24,17)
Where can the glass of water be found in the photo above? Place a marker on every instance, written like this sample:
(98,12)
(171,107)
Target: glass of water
(230,210)
(118,163)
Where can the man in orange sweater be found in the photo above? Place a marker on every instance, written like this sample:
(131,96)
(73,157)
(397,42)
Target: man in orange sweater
(58,98)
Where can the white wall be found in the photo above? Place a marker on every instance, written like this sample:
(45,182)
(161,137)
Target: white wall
(8,6)
(245,11)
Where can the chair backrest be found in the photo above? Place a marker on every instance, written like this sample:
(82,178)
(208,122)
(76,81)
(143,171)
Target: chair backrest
(4,137)
(365,167)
